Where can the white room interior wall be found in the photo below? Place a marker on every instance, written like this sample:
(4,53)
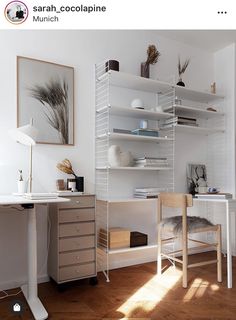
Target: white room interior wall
(80,49)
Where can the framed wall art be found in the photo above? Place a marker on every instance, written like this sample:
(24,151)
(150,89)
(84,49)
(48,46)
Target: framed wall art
(45,93)
(196,178)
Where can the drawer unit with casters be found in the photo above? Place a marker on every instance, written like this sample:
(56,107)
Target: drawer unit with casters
(72,249)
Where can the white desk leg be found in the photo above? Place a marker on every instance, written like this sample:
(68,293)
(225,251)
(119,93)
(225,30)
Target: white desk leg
(229,252)
(31,290)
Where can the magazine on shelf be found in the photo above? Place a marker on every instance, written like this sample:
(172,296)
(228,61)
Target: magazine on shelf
(214,195)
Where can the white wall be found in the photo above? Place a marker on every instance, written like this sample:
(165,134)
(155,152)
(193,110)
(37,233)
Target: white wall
(80,49)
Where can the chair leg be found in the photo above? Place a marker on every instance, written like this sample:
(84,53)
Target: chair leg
(159,266)
(219,255)
(185,261)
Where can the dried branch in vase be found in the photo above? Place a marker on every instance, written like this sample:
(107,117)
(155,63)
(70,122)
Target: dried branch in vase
(152,57)
(66,167)
(181,70)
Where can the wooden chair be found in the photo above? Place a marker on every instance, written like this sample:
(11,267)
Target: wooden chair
(183,201)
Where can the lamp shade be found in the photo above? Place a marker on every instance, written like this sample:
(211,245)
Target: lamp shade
(25,135)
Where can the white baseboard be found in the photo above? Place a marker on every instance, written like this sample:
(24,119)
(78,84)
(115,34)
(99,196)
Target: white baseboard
(10,284)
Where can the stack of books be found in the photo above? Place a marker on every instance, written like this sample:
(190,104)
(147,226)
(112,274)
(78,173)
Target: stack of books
(186,121)
(147,193)
(40,196)
(217,195)
(150,162)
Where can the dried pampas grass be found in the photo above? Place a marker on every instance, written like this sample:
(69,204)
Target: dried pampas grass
(66,167)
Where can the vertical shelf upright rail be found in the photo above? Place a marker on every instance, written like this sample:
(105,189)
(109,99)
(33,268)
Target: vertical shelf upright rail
(102,177)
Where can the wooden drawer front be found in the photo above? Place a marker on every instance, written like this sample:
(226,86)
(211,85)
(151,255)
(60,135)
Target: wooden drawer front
(76,243)
(81,256)
(76,229)
(74,215)
(79,202)
(66,273)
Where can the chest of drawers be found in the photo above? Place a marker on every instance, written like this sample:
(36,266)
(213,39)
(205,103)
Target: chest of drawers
(72,248)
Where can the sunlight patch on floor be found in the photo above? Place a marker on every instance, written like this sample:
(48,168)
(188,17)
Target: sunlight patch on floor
(198,289)
(152,292)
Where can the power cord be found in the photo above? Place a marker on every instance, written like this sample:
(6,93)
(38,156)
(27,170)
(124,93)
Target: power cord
(6,295)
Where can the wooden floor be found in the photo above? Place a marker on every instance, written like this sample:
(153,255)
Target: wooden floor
(136,293)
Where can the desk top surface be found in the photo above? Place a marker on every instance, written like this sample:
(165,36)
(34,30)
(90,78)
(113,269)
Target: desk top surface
(11,199)
(214,200)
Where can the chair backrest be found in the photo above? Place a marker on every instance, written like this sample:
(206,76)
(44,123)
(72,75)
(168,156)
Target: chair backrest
(174,200)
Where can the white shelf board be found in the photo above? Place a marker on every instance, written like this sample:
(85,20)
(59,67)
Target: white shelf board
(126,80)
(195,95)
(135,168)
(128,200)
(126,250)
(133,137)
(197,130)
(196,112)
(135,113)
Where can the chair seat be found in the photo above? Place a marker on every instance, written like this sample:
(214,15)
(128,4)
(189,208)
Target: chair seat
(194,224)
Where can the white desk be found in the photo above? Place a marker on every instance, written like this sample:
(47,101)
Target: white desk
(230,206)
(31,290)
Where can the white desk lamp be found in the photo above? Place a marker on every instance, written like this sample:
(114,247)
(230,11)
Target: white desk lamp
(26,135)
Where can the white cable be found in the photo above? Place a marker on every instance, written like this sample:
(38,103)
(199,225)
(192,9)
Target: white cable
(9,295)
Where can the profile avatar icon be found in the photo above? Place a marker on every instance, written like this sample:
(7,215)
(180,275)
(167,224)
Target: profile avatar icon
(16,12)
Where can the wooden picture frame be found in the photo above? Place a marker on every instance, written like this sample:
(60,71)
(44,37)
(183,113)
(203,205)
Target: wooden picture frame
(45,92)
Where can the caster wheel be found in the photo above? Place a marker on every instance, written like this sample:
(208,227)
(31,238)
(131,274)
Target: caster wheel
(93,281)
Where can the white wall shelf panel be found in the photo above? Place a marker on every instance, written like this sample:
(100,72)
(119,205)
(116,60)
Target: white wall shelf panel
(132,137)
(195,95)
(135,113)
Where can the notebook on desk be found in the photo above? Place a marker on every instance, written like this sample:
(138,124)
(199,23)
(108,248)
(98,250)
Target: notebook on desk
(40,196)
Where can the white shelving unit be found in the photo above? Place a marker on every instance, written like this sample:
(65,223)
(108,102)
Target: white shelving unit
(115,185)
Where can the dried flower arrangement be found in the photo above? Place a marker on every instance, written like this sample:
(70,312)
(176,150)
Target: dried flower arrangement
(152,57)
(66,167)
(181,70)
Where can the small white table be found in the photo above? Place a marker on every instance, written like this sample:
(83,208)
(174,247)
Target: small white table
(30,291)
(230,206)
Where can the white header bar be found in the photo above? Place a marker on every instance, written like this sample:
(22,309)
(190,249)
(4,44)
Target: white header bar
(118,14)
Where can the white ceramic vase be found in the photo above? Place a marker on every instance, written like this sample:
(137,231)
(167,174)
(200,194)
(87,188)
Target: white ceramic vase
(21,187)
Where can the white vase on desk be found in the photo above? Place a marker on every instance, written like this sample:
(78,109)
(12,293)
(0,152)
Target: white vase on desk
(21,186)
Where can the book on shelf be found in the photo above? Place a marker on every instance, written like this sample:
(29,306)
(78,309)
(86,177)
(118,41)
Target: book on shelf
(152,165)
(149,189)
(219,195)
(183,123)
(145,196)
(150,162)
(125,131)
(146,132)
(150,158)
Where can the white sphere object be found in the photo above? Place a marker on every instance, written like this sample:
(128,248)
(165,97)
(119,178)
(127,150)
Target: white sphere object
(137,103)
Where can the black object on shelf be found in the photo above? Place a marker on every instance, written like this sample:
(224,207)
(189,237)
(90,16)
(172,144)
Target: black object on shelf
(138,239)
(79,184)
(112,65)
